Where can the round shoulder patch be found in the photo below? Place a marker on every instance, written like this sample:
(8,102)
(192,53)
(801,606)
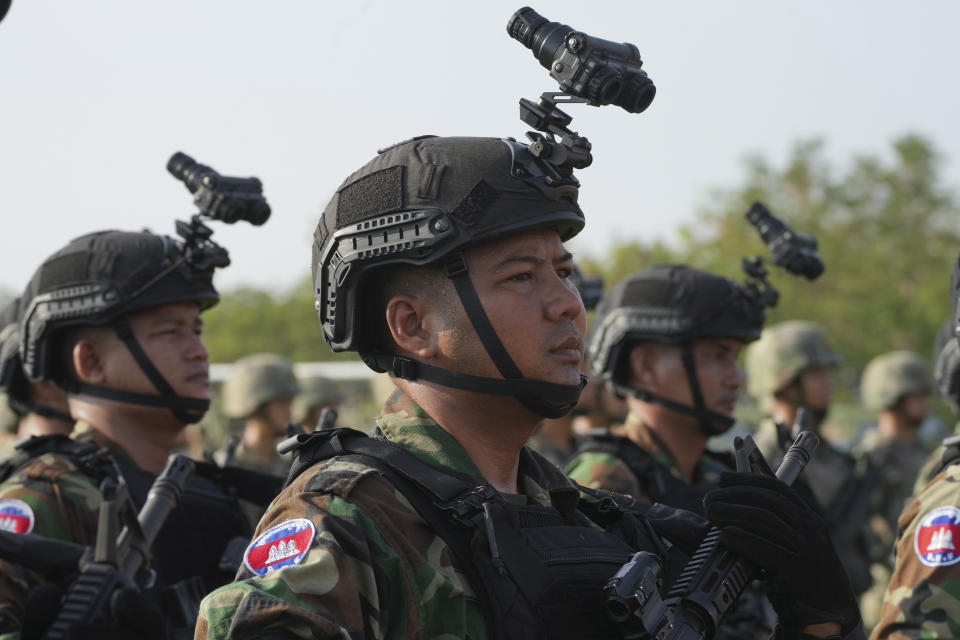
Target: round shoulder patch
(937,541)
(16,516)
(280,546)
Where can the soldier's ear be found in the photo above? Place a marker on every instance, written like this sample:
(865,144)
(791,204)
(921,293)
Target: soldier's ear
(88,361)
(409,326)
(643,365)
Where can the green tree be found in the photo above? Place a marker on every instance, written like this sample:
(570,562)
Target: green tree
(250,320)
(888,234)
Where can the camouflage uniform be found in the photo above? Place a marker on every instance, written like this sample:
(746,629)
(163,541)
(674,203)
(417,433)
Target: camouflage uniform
(601,470)
(62,497)
(923,597)
(375,568)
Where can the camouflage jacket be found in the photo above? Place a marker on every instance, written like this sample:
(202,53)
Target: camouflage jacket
(602,470)
(52,497)
(923,597)
(341,553)
(57,496)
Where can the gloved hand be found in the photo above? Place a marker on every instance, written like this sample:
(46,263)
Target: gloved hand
(767,523)
(132,617)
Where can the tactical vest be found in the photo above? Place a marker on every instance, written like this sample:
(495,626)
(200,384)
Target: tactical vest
(201,544)
(656,481)
(536,572)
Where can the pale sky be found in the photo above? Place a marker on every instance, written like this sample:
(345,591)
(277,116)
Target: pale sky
(96,95)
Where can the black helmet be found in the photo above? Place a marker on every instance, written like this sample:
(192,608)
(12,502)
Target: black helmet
(13,381)
(670,304)
(946,368)
(98,279)
(422,202)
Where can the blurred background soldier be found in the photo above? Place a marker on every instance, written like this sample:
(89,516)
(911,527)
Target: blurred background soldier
(788,368)
(114,319)
(258,396)
(41,407)
(896,386)
(316,394)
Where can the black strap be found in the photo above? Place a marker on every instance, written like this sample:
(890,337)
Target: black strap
(711,422)
(408,369)
(422,485)
(541,400)
(87,456)
(186,410)
(22,408)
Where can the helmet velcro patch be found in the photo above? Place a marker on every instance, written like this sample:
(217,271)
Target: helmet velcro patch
(373,195)
(472,208)
(63,269)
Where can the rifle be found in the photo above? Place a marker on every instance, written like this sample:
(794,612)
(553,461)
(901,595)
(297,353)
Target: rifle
(117,560)
(714,577)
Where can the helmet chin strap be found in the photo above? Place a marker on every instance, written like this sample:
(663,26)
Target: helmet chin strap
(546,399)
(711,423)
(186,410)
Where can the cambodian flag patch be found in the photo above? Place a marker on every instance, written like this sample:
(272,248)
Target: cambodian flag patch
(280,546)
(16,516)
(937,541)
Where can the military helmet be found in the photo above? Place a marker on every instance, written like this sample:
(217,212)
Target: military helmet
(315,392)
(784,351)
(946,368)
(890,376)
(12,381)
(255,380)
(420,201)
(98,278)
(423,202)
(672,304)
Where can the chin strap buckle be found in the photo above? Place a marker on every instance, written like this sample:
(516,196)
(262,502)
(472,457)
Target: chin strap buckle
(404,368)
(455,266)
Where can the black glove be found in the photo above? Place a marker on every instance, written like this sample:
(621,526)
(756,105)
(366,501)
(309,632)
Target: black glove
(132,617)
(767,523)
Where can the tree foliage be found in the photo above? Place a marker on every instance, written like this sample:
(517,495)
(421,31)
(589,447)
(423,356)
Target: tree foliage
(250,320)
(887,229)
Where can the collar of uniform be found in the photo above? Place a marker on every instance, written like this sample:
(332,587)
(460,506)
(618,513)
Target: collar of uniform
(87,433)
(646,439)
(404,422)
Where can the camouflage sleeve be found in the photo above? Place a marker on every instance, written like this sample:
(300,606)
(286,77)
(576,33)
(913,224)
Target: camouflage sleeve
(605,471)
(341,554)
(51,498)
(923,597)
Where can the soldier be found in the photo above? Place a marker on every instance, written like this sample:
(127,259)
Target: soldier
(922,599)
(316,394)
(788,368)
(41,407)
(259,393)
(114,319)
(667,338)
(441,261)
(896,386)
